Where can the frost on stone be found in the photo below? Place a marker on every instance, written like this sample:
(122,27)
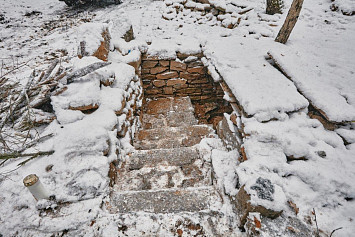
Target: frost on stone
(264,189)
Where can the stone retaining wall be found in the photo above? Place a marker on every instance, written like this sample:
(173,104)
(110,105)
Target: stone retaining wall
(184,76)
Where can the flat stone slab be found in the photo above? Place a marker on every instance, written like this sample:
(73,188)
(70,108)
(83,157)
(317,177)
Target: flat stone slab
(163,201)
(172,157)
(334,102)
(170,119)
(163,177)
(260,89)
(164,105)
(171,137)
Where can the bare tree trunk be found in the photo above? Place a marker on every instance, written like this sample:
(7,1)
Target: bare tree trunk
(290,21)
(274,6)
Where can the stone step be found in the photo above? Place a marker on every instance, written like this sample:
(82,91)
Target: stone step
(164,105)
(202,223)
(168,157)
(162,177)
(171,137)
(163,168)
(163,201)
(169,119)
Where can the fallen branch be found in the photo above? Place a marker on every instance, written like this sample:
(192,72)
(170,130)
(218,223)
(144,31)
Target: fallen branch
(6,156)
(18,101)
(18,106)
(84,71)
(43,153)
(50,70)
(315,220)
(14,69)
(335,230)
(34,142)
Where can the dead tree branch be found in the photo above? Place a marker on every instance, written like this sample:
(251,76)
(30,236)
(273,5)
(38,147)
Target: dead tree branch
(23,108)
(335,230)
(13,155)
(84,71)
(315,220)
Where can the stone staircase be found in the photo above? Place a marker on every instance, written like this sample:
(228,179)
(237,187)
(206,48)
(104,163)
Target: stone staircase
(164,172)
(167,175)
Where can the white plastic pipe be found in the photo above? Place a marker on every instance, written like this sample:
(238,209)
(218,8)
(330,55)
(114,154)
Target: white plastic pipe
(35,186)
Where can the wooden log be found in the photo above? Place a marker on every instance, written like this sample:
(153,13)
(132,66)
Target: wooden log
(84,71)
(49,70)
(290,22)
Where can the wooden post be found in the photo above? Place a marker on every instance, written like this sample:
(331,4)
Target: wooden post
(290,21)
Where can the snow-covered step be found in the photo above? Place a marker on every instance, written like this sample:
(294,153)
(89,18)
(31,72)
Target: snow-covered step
(162,177)
(163,201)
(165,105)
(171,157)
(170,119)
(171,137)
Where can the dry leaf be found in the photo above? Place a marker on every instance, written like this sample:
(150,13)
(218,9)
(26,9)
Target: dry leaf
(257,223)
(179,232)
(293,230)
(293,206)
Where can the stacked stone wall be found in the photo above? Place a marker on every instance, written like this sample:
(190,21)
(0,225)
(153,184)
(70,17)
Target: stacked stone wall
(184,76)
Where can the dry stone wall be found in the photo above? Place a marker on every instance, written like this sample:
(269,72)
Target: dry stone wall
(184,76)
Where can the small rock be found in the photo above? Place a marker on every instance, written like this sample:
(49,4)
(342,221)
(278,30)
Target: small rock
(322,154)
(149,64)
(49,168)
(167,75)
(174,65)
(157,70)
(264,189)
(159,83)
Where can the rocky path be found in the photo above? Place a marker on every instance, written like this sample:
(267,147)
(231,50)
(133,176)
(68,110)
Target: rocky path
(166,178)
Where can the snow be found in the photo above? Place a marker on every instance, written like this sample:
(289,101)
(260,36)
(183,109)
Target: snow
(167,48)
(78,173)
(328,87)
(319,57)
(320,182)
(224,164)
(90,33)
(323,67)
(255,83)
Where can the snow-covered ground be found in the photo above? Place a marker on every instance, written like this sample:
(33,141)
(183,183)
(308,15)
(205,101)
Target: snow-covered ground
(319,58)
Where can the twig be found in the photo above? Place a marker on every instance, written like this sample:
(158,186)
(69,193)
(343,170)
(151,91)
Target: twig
(46,153)
(18,67)
(16,106)
(14,155)
(50,69)
(335,230)
(34,142)
(19,100)
(315,220)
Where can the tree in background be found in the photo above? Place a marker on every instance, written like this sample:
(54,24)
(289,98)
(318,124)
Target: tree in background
(274,6)
(290,22)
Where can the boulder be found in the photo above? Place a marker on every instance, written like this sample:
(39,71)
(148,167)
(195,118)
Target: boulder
(244,206)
